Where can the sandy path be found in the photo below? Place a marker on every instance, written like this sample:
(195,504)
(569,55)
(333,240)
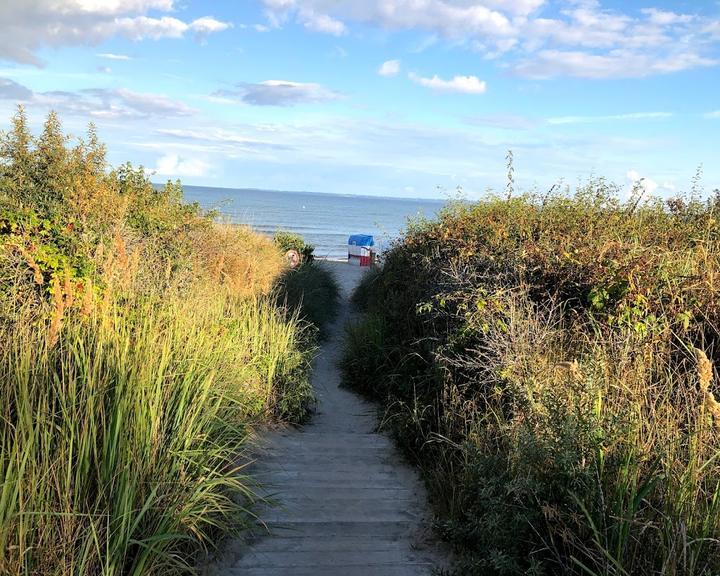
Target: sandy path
(347,504)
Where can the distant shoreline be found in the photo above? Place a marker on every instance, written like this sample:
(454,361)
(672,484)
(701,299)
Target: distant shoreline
(368,196)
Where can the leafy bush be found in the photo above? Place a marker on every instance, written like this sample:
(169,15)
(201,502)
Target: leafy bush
(291,241)
(548,361)
(139,342)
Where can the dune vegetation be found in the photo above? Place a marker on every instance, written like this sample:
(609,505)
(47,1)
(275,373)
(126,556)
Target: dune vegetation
(139,343)
(550,363)
(310,289)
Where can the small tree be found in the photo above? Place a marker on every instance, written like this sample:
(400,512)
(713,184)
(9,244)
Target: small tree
(53,177)
(16,160)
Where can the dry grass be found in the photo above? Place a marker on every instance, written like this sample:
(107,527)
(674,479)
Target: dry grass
(238,258)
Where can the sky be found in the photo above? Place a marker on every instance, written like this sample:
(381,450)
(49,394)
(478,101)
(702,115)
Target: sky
(411,98)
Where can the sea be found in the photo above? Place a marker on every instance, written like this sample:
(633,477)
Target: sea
(324,220)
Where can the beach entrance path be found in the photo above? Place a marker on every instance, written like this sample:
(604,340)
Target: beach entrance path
(347,504)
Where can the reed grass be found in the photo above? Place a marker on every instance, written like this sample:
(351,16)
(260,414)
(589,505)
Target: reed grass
(121,438)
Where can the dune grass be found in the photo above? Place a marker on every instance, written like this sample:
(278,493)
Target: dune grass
(550,363)
(139,344)
(313,292)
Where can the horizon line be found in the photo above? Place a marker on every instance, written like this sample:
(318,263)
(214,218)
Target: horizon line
(254,189)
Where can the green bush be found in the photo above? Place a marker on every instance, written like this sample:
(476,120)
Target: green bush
(548,361)
(291,241)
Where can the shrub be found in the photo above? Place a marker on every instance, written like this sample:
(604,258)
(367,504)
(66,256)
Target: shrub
(291,241)
(548,361)
(363,362)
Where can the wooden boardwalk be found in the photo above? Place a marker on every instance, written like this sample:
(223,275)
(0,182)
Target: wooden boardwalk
(347,505)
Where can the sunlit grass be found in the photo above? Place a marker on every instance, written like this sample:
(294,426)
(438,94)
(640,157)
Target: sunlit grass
(121,440)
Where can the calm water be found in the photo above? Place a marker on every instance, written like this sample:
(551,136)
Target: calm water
(325,220)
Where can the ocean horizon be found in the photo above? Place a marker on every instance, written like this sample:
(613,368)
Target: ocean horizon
(324,219)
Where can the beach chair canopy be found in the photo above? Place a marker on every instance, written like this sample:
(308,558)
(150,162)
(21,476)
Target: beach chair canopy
(361,240)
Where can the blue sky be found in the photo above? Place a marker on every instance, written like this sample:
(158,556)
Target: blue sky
(390,97)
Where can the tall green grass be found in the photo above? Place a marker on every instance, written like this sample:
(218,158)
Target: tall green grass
(121,442)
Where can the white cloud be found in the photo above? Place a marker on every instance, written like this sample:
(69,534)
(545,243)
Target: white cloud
(589,41)
(463,84)
(425,44)
(117,103)
(151,104)
(610,118)
(256,27)
(276,93)
(209,25)
(664,17)
(616,64)
(140,27)
(317,150)
(713,29)
(713,115)
(645,184)
(111,7)
(32,24)
(110,56)
(452,18)
(311,16)
(389,68)
(280,4)
(224,140)
(174,166)
(580,38)
(323,23)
